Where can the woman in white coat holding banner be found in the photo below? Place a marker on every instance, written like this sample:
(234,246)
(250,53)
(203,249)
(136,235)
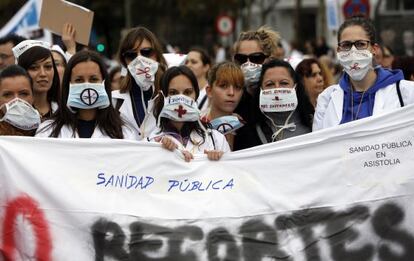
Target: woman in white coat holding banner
(86,110)
(363,90)
(179,125)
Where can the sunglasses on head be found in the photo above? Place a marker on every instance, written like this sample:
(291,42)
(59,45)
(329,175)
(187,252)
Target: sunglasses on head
(257,58)
(146,52)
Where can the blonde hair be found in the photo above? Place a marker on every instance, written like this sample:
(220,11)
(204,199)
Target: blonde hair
(267,39)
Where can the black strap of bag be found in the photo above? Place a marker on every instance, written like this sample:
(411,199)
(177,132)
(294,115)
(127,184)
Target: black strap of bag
(399,94)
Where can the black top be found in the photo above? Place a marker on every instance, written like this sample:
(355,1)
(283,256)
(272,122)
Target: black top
(139,103)
(86,128)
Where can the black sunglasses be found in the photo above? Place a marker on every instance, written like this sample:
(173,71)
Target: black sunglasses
(131,55)
(257,58)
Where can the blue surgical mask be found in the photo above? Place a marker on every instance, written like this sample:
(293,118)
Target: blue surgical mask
(226,124)
(87,96)
(251,72)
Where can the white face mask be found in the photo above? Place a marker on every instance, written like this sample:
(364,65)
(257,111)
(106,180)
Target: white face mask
(180,108)
(251,72)
(143,71)
(278,99)
(356,62)
(21,114)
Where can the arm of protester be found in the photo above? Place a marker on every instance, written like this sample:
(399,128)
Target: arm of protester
(68,38)
(214,154)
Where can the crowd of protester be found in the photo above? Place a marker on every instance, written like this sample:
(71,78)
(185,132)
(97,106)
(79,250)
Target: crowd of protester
(263,94)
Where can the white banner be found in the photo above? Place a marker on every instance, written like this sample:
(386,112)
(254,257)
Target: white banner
(26,23)
(338,194)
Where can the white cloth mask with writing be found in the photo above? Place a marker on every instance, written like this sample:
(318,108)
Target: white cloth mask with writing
(356,62)
(180,108)
(143,70)
(278,99)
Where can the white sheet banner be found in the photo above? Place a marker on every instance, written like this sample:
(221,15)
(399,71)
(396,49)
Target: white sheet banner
(338,194)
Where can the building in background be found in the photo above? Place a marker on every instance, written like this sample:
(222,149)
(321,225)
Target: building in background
(394,19)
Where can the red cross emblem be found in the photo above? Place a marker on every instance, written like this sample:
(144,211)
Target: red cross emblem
(355,67)
(181,111)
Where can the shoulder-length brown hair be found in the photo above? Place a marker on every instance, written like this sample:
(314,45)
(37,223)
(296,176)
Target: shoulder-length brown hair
(138,35)
(107,119)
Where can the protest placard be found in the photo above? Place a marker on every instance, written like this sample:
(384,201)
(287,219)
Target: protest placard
(55,13)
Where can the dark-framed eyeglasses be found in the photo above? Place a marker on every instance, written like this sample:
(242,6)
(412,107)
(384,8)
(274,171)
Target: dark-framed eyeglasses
(257,58)
(146,52)
(359,44)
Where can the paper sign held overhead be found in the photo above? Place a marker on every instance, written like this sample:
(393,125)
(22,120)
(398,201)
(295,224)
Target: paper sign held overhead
(55,13)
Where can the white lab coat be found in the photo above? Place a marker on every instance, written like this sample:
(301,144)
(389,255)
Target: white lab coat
(330,102)
(195,145)
(149,123)
(67,132)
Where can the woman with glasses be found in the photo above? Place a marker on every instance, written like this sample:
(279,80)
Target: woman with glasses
(280,109)
(141,53)
(251,50)
(363,90)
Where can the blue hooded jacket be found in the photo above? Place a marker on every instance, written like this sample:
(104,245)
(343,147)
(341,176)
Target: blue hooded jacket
(354,108)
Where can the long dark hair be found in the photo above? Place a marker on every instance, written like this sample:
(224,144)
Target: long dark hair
(38,53)
(139,34)
(171,73)
(304,108)
(107,119)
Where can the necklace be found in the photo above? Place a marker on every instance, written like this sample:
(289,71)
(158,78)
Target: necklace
(359,105)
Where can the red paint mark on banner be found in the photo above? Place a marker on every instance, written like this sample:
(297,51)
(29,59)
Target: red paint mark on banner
(26,206)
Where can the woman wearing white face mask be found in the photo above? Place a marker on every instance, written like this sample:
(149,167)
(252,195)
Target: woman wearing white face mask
(140,54)
(363,90)
(17,115)
(280,110)
(179,118)
(86,111)
(251,50)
